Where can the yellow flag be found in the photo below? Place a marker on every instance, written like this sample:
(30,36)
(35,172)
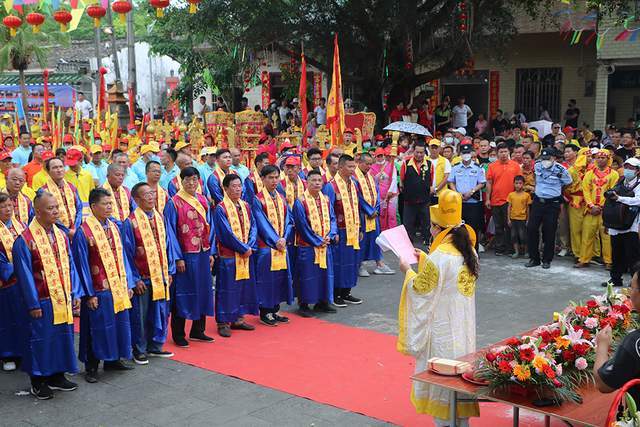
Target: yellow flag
(8,5)
(335,104)
(76,14)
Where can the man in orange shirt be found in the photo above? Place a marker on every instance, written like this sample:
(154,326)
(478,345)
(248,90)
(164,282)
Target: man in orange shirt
(35,165)
(500,176)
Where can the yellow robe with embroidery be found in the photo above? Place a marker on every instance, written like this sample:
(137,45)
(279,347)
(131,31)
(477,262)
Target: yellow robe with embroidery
(437,318)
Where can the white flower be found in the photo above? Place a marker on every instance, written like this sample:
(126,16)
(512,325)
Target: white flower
(559,370)
(581,363)
(591,322)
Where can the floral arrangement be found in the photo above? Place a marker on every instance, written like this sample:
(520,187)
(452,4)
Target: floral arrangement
(555,359)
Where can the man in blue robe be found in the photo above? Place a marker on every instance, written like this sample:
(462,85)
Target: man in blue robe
(273,283)
(214,183)
(346,257)
(184,161)
(149,315)
(188,216)
(104,333)
(369,201)
(13,315)
(50,351)
(234,297)
(314,277)
(253,184)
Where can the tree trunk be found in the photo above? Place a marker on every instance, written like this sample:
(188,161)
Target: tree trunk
(23,95)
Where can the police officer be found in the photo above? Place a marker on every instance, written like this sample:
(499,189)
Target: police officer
(467,178)
(550,178)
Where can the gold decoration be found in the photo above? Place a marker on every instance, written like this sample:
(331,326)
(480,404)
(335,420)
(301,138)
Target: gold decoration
(427,279)
(466,282)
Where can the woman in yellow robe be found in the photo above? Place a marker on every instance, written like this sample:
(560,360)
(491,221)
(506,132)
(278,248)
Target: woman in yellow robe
(437,313)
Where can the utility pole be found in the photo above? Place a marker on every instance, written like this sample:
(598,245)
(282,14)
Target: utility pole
(131,54)
(114,47)
(151,79)
(98,55)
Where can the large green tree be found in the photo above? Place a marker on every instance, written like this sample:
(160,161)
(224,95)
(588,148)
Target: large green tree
(387,46)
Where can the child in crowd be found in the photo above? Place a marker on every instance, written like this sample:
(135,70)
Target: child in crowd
(518,212)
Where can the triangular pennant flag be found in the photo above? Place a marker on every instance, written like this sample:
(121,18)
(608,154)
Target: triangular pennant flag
(634,36)
(590,38)
(8,5)
(76,15)
(623,35)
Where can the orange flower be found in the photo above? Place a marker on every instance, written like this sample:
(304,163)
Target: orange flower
(521,372)
(562,342)
(539,362)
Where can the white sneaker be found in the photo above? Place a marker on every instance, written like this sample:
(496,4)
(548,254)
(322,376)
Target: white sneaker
(363,272)
(480,249)
(563,252)
(383,270)
(8,366)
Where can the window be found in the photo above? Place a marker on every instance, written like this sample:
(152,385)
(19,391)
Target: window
(536,87)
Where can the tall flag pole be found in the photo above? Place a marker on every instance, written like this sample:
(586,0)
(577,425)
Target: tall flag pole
(302,94)
(335,104)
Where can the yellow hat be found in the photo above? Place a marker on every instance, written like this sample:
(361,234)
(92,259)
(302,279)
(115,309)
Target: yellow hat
(79,148)
(435,141)
(207,151)
(182,144)
(448,212)
(6,116)
(95,148)
(149,148)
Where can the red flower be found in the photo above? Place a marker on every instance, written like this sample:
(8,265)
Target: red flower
(491,357)
(622,309)
(506,356)
(568,356)
(582,311)
(513,341)
(557,383)
(527,354)
(555,333)
(586,334)
(592,303)
(549,372)
(546,336)
(504,367)
(581,349)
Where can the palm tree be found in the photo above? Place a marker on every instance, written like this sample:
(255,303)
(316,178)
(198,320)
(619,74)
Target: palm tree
(19,51)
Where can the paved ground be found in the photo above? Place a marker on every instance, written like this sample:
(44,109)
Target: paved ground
(509,299)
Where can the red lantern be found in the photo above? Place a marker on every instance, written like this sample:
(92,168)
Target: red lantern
(96,12)
(35,19)
(121,7)
(159,5)
(62,17)
(13,23)
(193,6)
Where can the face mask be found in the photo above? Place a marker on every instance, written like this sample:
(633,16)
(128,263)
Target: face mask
(155,158)
(492,159)
(448,140)
(629,174)
(380,161)
(366,145)
(547,163)
(465,157)
(456,141)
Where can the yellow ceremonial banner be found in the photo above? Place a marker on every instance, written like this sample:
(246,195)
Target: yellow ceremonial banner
(276,213)
(56,267)
(335,103)
(156,258)
(293,192)
(66,202)
(7,237)
(370,195)
(113,263)
(241,231)
(319,225)
(350,207)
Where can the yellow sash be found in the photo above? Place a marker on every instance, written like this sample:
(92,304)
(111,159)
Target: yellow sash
(258,181)
(66,202)
(276,218)
(241,231)
(156,259)
(7,237)
(194,203)
(161,199)
(58,282)
(113,263)
(370,195)
(319,225)
(22,213)
(124,200)
(328,176)
(350,208)
(293,193)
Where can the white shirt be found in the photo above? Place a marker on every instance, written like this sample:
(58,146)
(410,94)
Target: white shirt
(630,201)
(84,109)
(434,163)
(283,111)
(321,115)
(460,115)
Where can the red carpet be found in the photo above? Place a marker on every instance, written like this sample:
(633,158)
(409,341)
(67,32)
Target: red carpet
(351,368)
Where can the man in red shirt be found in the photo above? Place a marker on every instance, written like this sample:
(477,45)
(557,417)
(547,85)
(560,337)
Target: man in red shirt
(35,165)
(500,176)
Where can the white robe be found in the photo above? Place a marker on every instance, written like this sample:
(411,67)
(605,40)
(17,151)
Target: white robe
(437,318)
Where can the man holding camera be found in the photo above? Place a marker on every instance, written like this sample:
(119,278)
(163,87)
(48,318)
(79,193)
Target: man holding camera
(625,247)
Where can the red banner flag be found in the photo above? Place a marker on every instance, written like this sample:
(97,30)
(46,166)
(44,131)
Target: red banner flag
(45,115)
(302,94)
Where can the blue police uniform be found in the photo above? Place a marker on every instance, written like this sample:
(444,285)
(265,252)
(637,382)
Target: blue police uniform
(465,178)
(545,211)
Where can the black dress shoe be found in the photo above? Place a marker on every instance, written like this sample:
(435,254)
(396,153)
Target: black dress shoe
(281,319)
(305,311)
(532,263)
(242,326)
(117,365)
(201,337)
(91,376)
(181,342)
(324,307)
(546,265)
